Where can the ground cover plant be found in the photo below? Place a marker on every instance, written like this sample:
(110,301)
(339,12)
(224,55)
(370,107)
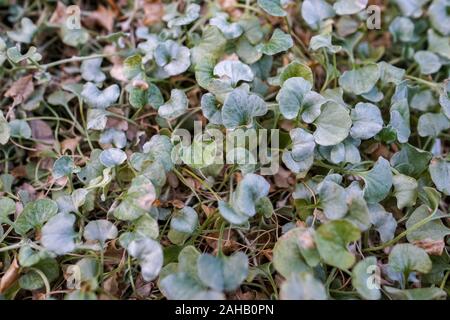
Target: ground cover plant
(102,196)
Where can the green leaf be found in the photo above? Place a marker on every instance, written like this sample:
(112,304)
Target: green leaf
(25,33)
(240,107)
(405,190)
(132,66)
(33,281)
(7,207)
(191,14)
(439,16)
(402,29)
(159,148)
(291,96)
(137,201)
(333,199)
(112,157)
(146,226)
(100,230)
(233,72)
(315,11)
(358,212)
(296,69)
(390,73)
(91,70)
(58,235)
(74,37)
(279,42)
(367,121)
(428,62)
(320,41)
(29,257)
(114,137)
(243,202)
(98,99)
(440,174)
(295,252)
(176,106)
(63,167)
(222,273)
(172,58)
(35,214)
(359,81)
(4,129)
(181,286)
(406,258)
(363,277)
(96,119)
(411,8)
(229,30)
(433,230)
(332,239)
(438,44)
(15,56)
(19,129)
(383,222)
(184,220)
(333,124)
(210,109)
(432,124)
(411,161)
(377,181)
(302,286)
(347,7)
(149,255)
(273,7)
(301,158)
(416,293)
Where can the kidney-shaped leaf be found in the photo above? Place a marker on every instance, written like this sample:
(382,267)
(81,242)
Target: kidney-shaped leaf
(240,107)
(406,258)
(367,121)
(149,254)
(333,124)
(185,220)
(359,81)
(175,106)
(138,199)
(58,235)
(302,286)
(112,157)
(35,214)
(378,181)
(332,239)
(364,277)
(100,230)
(99,99)
(279,42)
(223,273)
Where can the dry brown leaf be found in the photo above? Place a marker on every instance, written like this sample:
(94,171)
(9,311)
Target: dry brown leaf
(59,15)
(104,17)
(21,90)
(284,178)
(41,131)
(432,247)
(10,276)
(208,210)
(111,285)
(70,144)
(154,11)
(117,123)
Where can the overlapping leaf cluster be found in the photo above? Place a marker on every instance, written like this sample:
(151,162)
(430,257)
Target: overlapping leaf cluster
(99,199)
